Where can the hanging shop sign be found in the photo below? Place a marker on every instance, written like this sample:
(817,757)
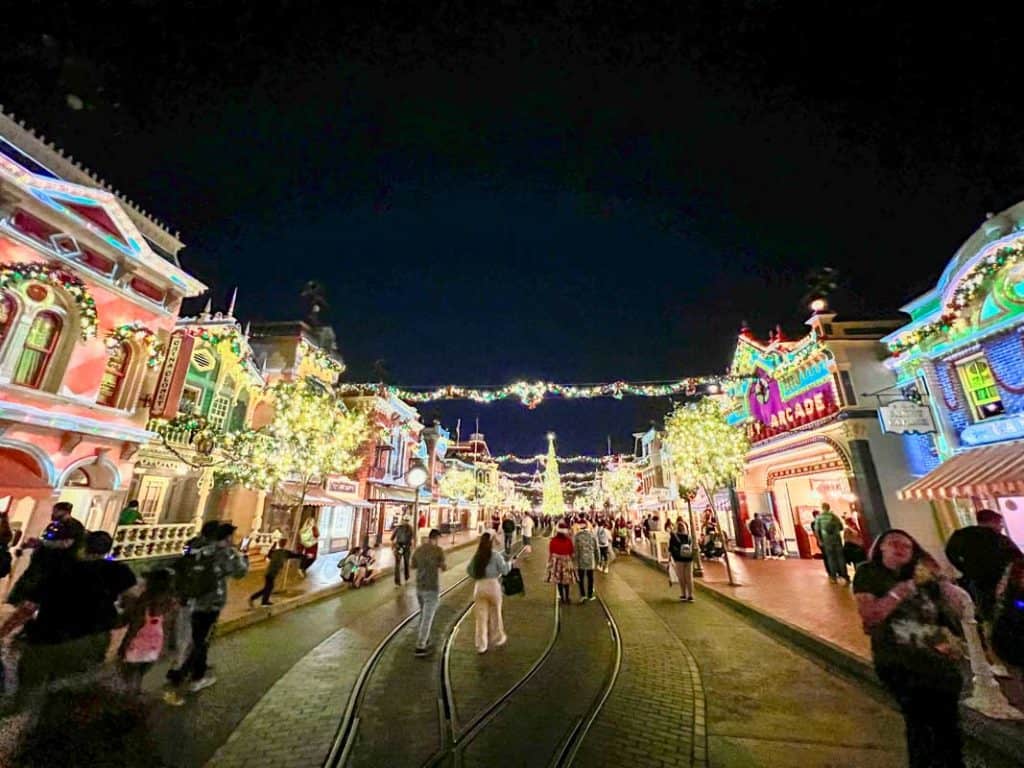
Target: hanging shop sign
(903,417)
(774,415)
(342,485)
(994,431)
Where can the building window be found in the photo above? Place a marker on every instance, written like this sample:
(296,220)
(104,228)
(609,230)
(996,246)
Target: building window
(219,411)
(980,387)
(849,391)
(7,310)
(78,479)
(40,344)
(114,375)
(191,401)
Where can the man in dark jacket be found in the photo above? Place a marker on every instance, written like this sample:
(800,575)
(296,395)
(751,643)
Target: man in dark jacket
(508,529)
(760,533)
(401,544)
(276,559)
(981,553)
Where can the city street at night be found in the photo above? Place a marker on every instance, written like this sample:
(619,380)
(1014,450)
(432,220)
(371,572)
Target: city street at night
(442,386)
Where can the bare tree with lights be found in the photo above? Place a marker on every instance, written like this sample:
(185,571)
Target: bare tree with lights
(705,452)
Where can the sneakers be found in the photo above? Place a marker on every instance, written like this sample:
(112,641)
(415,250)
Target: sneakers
(501,642)
(173,698)
(204,682)
(422,651)
(592,597)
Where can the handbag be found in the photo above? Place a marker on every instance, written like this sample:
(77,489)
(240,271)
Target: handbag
(512,582)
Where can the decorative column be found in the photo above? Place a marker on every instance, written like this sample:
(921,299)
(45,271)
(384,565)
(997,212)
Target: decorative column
(203,485)
(257,518)
(987,697)
(864,479)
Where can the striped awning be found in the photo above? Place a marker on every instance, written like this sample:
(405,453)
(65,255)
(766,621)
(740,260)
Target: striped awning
(993,470)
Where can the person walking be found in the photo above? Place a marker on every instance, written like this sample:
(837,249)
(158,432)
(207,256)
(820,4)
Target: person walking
(854,552)
(428,560)
(401,545)
(527,532)
(586,553)
(912,614)
(277,557)
(680,549)
(561,568)
(202,579)
(982,553)
(604,543)
(309,545)
(486,567)
(829,530)
(143,643)
(508,530)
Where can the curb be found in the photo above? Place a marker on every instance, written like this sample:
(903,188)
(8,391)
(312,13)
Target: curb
(1004,737)
(263,613)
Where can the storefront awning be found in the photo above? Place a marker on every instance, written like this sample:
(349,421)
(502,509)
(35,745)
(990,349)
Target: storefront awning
(994,470)
(290,493)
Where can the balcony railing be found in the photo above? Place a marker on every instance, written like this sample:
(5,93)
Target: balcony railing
(135,542)
(179,437)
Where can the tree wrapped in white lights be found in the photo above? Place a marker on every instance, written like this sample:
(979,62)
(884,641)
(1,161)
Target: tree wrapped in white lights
(705,452)
(620,486)
(459,485)
(552,501)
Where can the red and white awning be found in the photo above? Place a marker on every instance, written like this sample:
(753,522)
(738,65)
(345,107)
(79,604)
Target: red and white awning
(993,470)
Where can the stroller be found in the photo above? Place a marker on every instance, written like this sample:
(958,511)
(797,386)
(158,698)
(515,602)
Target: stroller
(713,546)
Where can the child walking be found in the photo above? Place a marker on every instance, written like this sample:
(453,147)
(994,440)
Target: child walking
(143,643)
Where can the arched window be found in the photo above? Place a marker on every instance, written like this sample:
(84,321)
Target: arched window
(112,384)
(40,344)
(7,310)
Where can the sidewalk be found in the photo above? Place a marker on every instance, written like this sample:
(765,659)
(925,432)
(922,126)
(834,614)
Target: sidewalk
(794,600)
(322,581)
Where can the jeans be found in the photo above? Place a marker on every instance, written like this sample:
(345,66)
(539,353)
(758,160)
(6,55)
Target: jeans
(587,576)
(835,563)
(603,562)
(195,665)
(401,559)
(428,607)
(508,543)
(759,542)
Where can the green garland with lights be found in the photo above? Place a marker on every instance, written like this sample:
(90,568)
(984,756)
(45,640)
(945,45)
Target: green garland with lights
(137,333)
(975,282)
(14,275)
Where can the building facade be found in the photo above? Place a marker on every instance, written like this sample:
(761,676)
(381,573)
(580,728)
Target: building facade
(961,358)
(90,289)
(810,407)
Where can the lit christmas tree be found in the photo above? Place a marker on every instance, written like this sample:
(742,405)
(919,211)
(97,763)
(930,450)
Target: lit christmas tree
(552,503)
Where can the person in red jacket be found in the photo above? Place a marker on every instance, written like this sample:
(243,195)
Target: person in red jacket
(561,566)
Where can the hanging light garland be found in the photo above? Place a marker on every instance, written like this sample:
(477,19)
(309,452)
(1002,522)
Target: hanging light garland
(135,332)
(230,335)
(13,275)
(972,284)
(532,393)
(511,458)
(563,475)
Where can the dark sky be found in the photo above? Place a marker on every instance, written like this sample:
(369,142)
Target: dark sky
(591,194)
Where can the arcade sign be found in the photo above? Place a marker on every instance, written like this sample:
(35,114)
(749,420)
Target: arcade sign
(772,415)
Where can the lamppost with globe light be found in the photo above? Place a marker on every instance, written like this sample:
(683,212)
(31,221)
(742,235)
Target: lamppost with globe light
(415,477)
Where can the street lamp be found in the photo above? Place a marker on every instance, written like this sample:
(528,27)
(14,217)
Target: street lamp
(415,477)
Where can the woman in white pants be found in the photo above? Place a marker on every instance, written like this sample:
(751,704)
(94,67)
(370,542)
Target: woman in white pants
(486,567)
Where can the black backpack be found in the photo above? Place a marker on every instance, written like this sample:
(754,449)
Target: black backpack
(195,574)
(5,562)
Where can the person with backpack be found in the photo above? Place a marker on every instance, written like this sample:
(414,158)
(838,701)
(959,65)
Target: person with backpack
(401,544)
(277,557)
(201,576)
(143,643)
(680,549)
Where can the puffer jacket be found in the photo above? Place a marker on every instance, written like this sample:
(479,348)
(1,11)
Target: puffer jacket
(586,550)
(228,561)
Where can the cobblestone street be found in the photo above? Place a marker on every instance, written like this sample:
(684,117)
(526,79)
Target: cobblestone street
(636,676)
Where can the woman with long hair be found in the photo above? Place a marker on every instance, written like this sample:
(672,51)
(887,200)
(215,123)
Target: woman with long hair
(680,549)
(561,565)
(486,567)
(912,613)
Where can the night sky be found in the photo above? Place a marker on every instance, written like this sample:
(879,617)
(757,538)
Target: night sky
(592,194)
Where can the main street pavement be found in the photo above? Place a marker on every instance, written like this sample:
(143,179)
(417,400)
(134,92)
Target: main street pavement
(677,685)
